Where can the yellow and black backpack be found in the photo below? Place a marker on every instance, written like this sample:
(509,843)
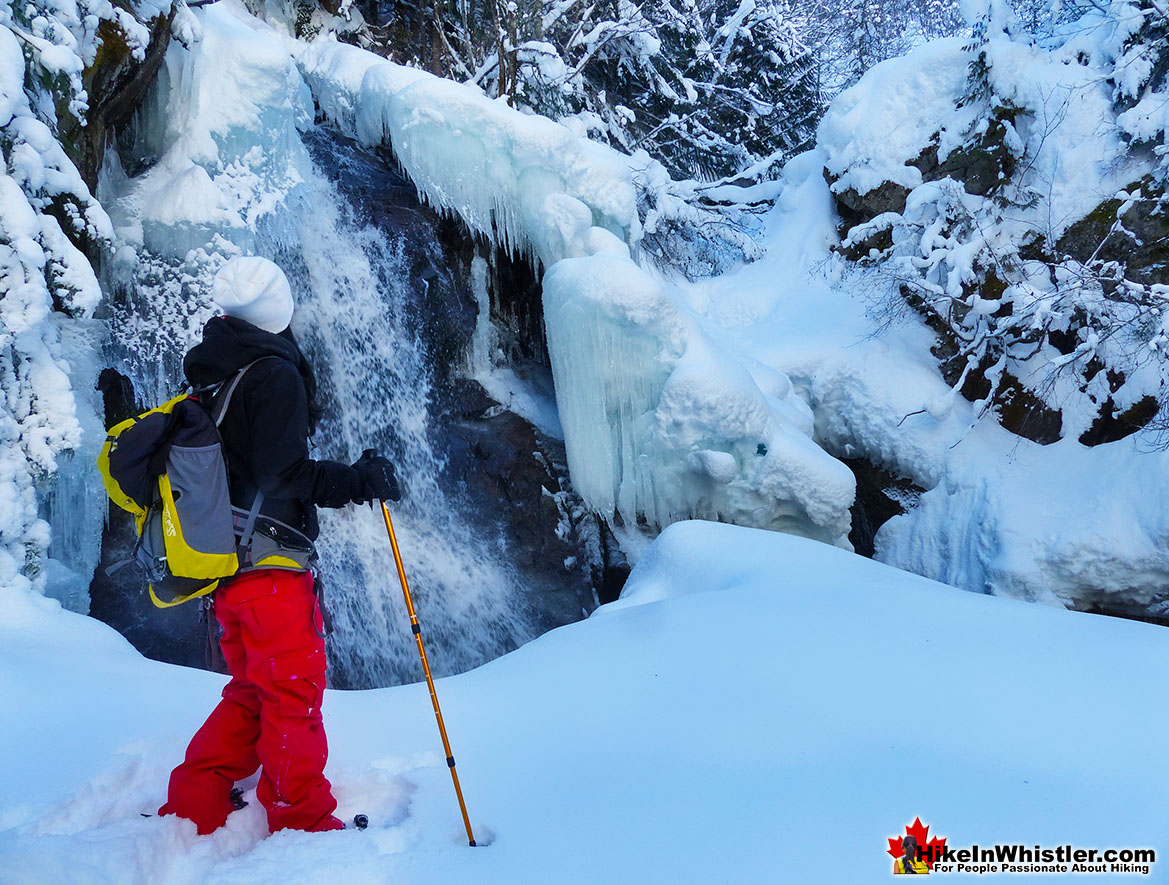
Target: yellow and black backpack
(166,468)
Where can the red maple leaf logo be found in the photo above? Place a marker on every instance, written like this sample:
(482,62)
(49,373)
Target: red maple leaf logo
(931,848)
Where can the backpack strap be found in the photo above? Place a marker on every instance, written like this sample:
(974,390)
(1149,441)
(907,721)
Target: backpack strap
(225,401)
(245,541)
(249,527)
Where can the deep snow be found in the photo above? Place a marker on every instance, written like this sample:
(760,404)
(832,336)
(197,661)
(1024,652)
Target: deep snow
(756,702)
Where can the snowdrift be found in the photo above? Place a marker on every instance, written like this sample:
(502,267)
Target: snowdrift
(751,695)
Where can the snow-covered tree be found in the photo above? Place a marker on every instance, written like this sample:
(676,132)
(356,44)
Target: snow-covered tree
(48,220)
(707,87)
(722,85)
(849,38)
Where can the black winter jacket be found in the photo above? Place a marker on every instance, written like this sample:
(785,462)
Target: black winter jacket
(265,431)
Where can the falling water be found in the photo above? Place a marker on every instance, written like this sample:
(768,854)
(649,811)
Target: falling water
(358,321)
(355,321)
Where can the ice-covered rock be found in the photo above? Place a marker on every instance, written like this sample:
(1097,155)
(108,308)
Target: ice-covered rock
(521,180)
(661,423)
(221,127)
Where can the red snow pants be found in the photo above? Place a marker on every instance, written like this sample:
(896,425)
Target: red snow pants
(270,715)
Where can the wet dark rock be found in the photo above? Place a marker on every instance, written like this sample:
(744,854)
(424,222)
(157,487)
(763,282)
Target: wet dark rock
(1017,408)
(870,248)
(1025,414)
(517,309)
(856,208)
(116,84)
(117,393)
(610,567)
(981,165)
(175,635)
(438,250)
(880,495)
(1112,425)
(1115,608)
(495,455)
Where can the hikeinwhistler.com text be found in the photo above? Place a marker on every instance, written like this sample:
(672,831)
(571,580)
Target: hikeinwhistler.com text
(1040,859)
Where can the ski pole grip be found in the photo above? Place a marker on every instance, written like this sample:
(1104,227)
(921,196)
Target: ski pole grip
(369,455)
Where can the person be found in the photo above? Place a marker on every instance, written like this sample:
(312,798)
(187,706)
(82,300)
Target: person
(272,628)
(909,861)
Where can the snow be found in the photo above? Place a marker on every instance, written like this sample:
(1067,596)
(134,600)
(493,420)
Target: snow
(47,288)
(1000,514)
(751,694)
(1076,156)
(521,180)
(1062,524)
(872,129)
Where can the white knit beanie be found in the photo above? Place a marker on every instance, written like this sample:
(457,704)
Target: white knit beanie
(256,290)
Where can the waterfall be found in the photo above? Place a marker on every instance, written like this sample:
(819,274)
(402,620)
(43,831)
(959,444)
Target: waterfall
(355,323)
(357,320)
(192,183)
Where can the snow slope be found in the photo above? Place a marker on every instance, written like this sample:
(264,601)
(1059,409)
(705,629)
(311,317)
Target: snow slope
(753,697)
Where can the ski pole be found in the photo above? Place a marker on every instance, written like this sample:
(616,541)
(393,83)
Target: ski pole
(417,631)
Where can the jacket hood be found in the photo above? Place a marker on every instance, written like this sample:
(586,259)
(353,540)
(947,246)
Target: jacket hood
(228,345)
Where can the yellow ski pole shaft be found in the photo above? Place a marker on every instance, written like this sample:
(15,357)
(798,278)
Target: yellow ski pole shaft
(417,630)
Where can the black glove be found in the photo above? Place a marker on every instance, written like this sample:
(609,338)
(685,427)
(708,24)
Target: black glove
(378,482)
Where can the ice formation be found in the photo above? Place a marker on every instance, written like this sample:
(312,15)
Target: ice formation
(660,423)
(522,181)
